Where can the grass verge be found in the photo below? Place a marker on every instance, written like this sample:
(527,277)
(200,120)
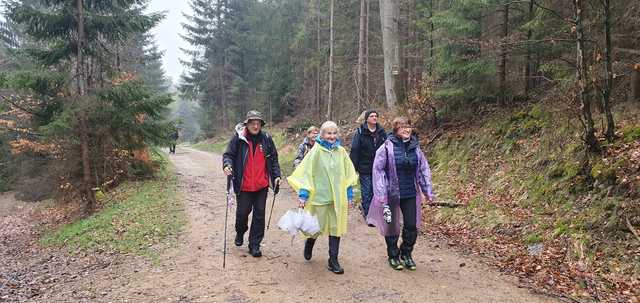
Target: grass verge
(135,216)
(211,146)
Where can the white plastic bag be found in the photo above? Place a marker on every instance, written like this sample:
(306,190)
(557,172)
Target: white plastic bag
(310,224)
(287,222)
(298,220)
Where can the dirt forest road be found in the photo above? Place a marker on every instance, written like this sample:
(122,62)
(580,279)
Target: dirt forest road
(192,272)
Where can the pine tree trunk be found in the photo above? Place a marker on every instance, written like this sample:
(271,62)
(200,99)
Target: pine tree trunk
(582,81)
(416,62)
(608,86)
(80,72)
(389,17)
(81,81)
(223,65)
(223,96)
(502,81)
(331,29)
(318,70)
(361,54)
(528,63)
(431,43)
(367,85)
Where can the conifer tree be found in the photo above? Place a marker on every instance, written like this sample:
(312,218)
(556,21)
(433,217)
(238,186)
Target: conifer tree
(77,38)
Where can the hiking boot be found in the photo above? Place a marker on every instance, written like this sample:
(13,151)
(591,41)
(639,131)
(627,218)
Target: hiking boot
(334,266)
(239,240)
(395,263)
(308,248)
(255,252)
(408,262)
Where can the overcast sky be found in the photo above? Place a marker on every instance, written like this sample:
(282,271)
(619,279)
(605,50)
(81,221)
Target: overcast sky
(168,34)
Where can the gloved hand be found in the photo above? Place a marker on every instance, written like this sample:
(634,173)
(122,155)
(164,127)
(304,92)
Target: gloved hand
(228,170)
(350,196)
(303,196)
(276,186)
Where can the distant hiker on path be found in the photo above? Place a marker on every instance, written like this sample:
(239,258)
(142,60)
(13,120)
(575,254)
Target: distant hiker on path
(307,144)
(252,159)
(400,172)
(173,137)
(324,181)
(368,138)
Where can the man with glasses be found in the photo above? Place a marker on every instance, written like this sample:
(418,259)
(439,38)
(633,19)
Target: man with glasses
(251,159)
(368,138)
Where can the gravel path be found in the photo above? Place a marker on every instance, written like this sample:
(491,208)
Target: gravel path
(192,271)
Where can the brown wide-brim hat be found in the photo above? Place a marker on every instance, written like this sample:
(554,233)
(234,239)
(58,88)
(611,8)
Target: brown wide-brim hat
(254,115)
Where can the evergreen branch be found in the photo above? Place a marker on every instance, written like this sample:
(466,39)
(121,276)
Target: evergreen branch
(553,12)
(20,107)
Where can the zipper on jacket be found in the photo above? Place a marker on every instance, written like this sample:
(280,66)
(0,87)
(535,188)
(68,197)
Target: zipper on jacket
(244,165)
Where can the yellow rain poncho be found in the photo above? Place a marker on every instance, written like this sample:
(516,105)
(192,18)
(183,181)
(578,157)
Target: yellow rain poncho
(326,173)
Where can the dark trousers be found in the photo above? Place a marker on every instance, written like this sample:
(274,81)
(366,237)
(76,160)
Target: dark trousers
(366,192)
(248,202)
(172,149)
(409,230)
(334,245)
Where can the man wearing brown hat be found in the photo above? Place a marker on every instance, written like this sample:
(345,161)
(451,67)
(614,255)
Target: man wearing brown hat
(251,159)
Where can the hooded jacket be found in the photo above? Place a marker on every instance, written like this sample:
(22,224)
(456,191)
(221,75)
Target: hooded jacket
(386,187)
(237,153)
(324,177)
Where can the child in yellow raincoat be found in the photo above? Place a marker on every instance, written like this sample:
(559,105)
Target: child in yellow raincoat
(324,182)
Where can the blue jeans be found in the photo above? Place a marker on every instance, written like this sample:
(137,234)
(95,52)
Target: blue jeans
(366,191)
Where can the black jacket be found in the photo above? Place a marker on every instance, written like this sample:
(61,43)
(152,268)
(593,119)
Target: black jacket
(364,146)
(236,156)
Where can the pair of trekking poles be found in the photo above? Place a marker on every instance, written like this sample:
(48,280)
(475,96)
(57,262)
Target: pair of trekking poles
(226,217)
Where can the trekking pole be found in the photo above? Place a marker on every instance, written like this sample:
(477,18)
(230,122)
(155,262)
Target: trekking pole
(226,216)
(271,211)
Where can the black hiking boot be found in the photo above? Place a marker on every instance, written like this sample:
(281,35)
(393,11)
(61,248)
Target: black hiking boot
(395,263)
(255,252)
(308,248)
(408,262)
(239,240)
(334,266)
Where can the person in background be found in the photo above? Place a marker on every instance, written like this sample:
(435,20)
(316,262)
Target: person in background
(367,139)
(401,175)
(173,138)
(324,182)
(307,144)
(251,159)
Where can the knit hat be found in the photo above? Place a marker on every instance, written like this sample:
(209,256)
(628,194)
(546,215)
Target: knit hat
(368,113)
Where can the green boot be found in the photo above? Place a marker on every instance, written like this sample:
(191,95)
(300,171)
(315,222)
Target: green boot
(395,263)
(408,262)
